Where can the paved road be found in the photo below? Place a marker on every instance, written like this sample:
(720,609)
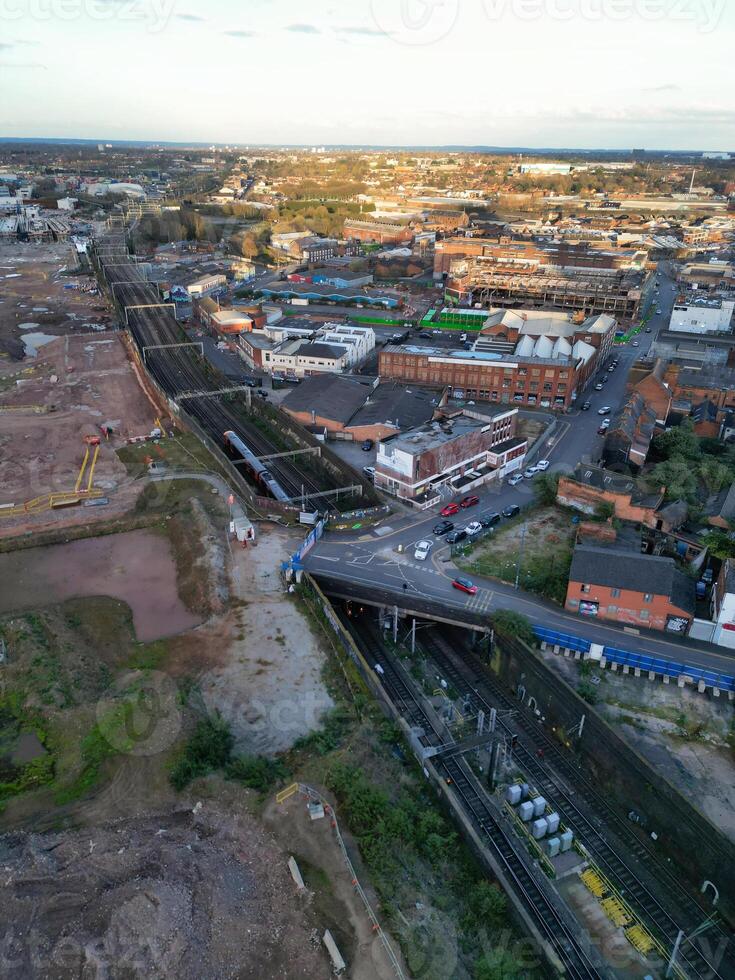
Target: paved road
(371,560)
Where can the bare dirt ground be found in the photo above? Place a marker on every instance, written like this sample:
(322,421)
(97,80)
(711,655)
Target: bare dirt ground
(41,450)
(260,663)
(190,893)
(32,280)
(136,567)
(315,847)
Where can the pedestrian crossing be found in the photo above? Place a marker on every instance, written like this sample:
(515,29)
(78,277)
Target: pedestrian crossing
(481,601)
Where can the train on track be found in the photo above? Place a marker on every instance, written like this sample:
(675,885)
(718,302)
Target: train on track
(260,474)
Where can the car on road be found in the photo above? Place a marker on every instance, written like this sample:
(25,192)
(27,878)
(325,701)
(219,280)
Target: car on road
(635,344)
(530,472)
(369,472)
(586,407)
(473,529)
(606,409)
(512,510)
(598,386)
(450,510)
(469,501)
(367,445)
(515,480)
(648,329)
(421,552)
(443,527)
(543,465)
(659,312)
(489,520)
(425,334)
(465,585)
(454,537)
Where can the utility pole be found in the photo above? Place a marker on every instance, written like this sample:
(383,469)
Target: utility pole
(413,636)
(682,938)
(395,624)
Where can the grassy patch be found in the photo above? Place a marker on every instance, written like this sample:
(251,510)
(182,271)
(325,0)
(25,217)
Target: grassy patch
(183,452)
(536,547)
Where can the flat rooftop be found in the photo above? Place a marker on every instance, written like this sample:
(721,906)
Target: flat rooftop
(432,435)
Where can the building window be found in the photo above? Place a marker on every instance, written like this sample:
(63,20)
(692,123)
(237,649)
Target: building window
(648,597)
(585,589)
(612,610)
(615,593)
(574,603)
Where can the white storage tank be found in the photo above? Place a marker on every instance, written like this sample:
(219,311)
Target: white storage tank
(539,806)
(554,846)
(566,840)
(513,794)
(524,790)
(539,828)
(552,819)
(525,811)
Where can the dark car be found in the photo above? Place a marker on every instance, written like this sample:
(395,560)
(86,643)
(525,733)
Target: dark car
(367,445)
(489,520)
(465,585)
(469,501)
(250,382)
(511,511)
(454,537)
(648,329)
(425,334)
(442,528)
(586,407)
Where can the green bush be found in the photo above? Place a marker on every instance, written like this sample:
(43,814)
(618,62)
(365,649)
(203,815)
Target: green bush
(256,772)
(208,749)
(516,625)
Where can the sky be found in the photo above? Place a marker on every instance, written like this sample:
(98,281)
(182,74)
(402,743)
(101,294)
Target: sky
(656,74)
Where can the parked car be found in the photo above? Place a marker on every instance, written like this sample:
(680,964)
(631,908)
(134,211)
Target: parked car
(543,465)
(530,472)
(443,527)
(635,344)
(598,386)
(450,510)
(515,480)
(648,329)
(369,472)
(605,424)
(489,520)
(454,537)
(465,585)
(425,334)
(473,529)
(586,406)
(512,510)
(659,311)
(602,430)
(604,410)
(367,445)
(421,552)
(469,501)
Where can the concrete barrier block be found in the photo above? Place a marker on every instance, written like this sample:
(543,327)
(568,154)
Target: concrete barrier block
(614,666)
(603,662)
(681,681)
(652,675)
(715,692)
(556,648)
(637,671)
(701,687)
(667,679)
(577,654)
(626,669)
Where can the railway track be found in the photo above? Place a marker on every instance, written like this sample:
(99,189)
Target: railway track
(541,905)
(179,370)
(586,811)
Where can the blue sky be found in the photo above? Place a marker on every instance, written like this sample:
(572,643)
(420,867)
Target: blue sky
(589,73)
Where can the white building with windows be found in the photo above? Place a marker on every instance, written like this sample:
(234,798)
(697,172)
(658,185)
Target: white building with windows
(703,316)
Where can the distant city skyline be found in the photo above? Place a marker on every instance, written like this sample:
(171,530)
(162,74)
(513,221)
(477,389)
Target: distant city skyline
(567,74)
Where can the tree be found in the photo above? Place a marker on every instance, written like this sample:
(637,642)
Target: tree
(720,543)
(516,625)
(679,441)
(677,475)
(545,488)
(500,964)
(715,475)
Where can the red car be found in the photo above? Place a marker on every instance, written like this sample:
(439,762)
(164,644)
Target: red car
(450,510)
(465,585)
(469,501)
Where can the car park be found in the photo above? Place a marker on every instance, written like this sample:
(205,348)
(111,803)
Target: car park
(489,520)
(465,585)
(543,465)
(454,537)
(604,410)
(443,527)
(530,472)
(512,510)
(422,549)
(450,510)
(515,480)
(469,501)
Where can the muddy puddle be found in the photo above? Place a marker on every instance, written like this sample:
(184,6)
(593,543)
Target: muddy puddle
(136,567)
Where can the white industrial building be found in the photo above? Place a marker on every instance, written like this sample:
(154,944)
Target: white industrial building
(205,285)
(702,316)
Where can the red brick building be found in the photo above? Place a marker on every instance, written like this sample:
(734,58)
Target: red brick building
(625,587)
(376,230)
